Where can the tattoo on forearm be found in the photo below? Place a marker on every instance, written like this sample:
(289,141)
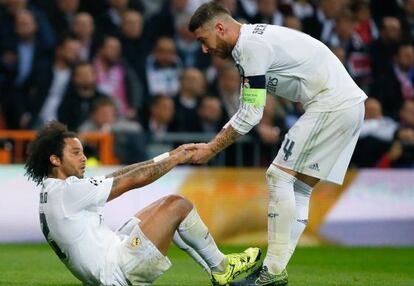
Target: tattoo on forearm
(150,172)
(225,138)
(128,168)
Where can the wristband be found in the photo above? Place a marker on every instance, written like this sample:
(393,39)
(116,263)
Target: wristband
(161,157)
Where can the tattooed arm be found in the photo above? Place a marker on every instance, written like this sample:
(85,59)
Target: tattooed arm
(143,175)
(223,139)
(128,168)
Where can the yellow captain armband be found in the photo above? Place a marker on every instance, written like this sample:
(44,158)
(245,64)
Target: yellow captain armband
(254,96)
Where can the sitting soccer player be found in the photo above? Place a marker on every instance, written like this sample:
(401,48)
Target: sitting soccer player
(135,254)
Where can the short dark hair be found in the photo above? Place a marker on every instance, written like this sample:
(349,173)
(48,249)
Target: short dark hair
(205,13)
(50,140)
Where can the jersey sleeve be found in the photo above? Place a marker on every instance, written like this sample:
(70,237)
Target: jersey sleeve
(87,192)
(254,61)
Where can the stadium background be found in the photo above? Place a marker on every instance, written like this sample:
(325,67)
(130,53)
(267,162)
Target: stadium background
(130,78)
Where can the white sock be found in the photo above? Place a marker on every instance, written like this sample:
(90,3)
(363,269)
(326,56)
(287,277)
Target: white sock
(281,214)
(190,251)
(195,234)
(302,198)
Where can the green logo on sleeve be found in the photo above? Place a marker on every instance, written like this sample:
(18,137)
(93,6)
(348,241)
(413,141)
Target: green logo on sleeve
(254,96)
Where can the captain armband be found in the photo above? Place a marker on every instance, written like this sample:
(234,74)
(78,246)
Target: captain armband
(254,90)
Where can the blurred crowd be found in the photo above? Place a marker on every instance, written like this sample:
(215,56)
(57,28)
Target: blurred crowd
(131,67)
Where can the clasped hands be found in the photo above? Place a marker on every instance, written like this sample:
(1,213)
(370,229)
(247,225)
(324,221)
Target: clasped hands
(199,153)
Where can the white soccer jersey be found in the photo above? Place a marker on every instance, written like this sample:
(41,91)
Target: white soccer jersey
(297,67)
(71,221)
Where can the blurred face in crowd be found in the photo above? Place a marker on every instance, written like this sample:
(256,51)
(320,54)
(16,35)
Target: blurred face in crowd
(118,4)
(407,113)
(83,26)
(193,82)
(392,29)
(68,6)
(293,23)
(345,25)
(165,52)
(26,26)
(178,5)
(84,79)
(69,51)
(230,5)
(163,110)
(132,24)
(330,8)
(373,109)
(409,7)
(111,50)
(210,110)
(266,7)
(14,6)
(105,114)
(405,57)
(229,80)
(182,28)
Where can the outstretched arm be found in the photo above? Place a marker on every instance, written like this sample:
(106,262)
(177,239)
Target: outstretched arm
(140,174)
(223,139)
(128,168)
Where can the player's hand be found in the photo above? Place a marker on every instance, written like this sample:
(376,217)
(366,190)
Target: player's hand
(202,154)
(190,146)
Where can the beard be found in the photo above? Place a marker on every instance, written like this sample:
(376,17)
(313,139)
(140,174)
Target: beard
(223,49)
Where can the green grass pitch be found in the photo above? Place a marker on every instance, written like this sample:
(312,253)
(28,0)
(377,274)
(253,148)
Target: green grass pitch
(37,265)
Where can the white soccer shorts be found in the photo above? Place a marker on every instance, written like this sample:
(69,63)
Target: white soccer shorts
(320,144)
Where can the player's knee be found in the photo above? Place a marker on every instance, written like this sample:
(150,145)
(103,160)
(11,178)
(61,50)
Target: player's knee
(280,183)
(178,204)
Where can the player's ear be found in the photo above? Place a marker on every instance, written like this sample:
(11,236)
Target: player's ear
(219,28)
(54,160)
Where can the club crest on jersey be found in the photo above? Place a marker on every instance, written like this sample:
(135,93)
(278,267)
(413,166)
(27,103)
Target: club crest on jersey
(246,83)
(135,242)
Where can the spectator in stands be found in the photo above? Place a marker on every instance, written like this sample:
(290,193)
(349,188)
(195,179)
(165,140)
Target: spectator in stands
(7,22)
(188,49)
(270,130)
(62,16)
(164,23)
(376,135)
(162,111)
(212,71)
(365,27)
(79,97)
(401,153)
(163,68)
(302,9)
(134,46)
(267,12)
(321,24)
(383,48)
(83,29)
(407,18)
(228,89)
(18,59)
(192,87)
(110,22)
(292,22)
(356,53)
(130,142)
(117,79)
(210,115)
(398,84)
(51,84)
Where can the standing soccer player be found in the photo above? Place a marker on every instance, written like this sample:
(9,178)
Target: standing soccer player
(134,255)
(293,65)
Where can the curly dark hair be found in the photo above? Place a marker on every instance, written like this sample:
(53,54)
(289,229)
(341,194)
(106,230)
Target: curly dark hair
(49,141)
